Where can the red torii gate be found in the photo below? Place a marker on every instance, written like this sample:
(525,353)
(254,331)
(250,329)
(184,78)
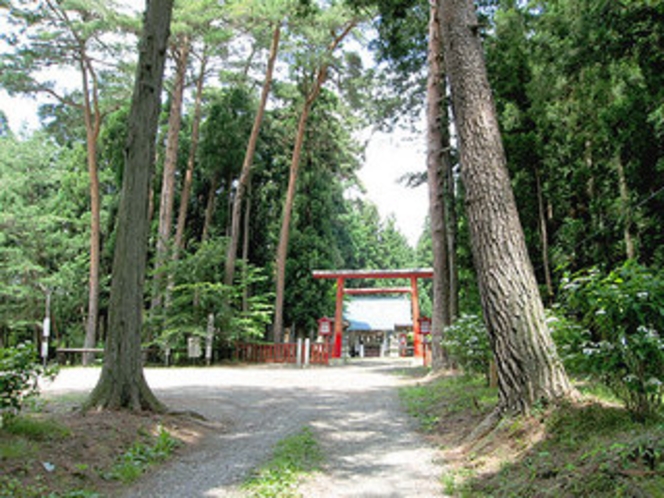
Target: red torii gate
(342,275)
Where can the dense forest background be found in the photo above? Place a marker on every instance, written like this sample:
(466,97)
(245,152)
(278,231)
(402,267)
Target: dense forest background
(579,89)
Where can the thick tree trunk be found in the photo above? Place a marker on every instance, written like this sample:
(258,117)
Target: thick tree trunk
(282,248)
(437,157)
(529,369)
(231,252)
(122,383)
(167,198)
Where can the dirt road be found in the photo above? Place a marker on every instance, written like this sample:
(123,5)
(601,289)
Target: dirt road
(370,445)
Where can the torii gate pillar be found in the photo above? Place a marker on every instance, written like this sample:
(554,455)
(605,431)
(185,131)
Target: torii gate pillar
(415,304)
(339,318)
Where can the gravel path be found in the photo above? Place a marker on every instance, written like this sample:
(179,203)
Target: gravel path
(370,445)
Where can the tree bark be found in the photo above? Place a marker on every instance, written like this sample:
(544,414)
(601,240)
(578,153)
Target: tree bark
(282,248)
(625,213)
(210,207)
(231,251)
(544,235)
(167,198)
(437,163)
(529,369)
(452,229)
(122,384)
(191,160)
(92,118)
(245,250)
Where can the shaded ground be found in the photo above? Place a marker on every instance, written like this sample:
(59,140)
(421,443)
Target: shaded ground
(580,448)
(371,446)
(66,450)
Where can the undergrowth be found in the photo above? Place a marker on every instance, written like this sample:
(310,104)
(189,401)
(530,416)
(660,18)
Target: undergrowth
(431,403)
(293,458)
(141,455)
(588,448)
(27,470)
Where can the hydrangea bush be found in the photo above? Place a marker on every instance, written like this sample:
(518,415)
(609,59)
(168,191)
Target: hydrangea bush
(467,343)
(612,330)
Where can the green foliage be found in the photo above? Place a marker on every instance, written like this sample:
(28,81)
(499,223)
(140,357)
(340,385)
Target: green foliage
(135,461)
(198,291)
(618,337)
(467,342)
(293,458)
(42,234)
(19,372)
(10,487)
(578,96)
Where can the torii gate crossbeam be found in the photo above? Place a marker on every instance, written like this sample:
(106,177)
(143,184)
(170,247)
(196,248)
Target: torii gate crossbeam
(342,275)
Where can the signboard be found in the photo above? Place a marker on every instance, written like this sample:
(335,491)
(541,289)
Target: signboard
(324,326)
(425,325)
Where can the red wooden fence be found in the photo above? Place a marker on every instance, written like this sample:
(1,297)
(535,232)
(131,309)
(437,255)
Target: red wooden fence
(319,354)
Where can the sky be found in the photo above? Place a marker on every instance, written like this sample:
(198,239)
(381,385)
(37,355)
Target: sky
(387,158)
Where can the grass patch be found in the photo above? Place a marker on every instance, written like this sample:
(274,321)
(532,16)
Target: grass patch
(432,403)
(141,455)
(588,448)
(35,428)
(294,457)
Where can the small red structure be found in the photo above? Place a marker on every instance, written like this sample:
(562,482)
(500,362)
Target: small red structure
(324,326)
(342,275)
(425,329)
(425,325)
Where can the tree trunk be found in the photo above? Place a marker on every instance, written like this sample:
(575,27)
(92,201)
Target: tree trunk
(452,227)
(529,369)
(122,383)
(282,248)
(231,252)
(191,161)
(544,235)
(92,118)
(284,234)
(167,198)
(625,214)
(437,157)
(210,207)
(245,251)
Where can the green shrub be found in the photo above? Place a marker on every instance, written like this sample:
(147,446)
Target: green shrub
(613,332)
(467,343)
(19,372)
